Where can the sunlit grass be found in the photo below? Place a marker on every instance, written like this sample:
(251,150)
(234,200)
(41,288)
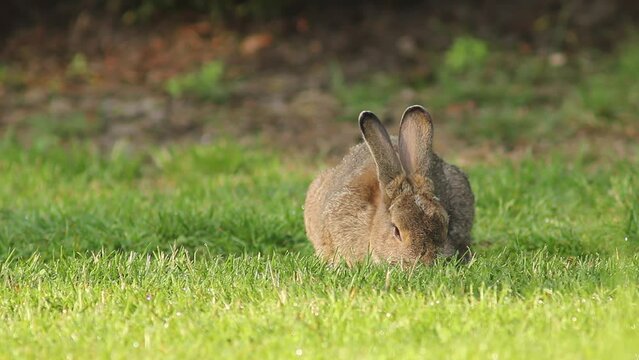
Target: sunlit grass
(199,251)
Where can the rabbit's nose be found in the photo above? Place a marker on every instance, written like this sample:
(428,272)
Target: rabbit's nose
(428,257)
(447,250)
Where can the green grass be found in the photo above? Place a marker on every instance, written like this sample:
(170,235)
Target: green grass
(509,99)
(72,200)
(199,251)
(371,94)
(206,83)
(179,305)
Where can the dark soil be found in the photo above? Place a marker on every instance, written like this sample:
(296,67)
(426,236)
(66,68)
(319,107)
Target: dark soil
(279,71)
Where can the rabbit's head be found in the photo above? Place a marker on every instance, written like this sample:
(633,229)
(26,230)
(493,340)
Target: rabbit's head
(412,224)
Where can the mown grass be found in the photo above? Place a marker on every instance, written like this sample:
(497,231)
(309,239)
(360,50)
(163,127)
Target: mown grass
(199,251)
(521,305)
(220,197)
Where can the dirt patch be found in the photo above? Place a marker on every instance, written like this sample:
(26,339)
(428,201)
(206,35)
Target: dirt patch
(112,81)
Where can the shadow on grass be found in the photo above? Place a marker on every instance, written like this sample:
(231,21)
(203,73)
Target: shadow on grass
(228,200)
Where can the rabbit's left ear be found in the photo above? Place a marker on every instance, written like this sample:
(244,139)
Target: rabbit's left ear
(380,146)
(416,140)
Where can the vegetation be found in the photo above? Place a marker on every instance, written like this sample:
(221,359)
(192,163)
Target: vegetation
(143,10)
(465,54)
(195,250)
(207,83)
(509,99)
(78,68)
(371,94)
(191,250)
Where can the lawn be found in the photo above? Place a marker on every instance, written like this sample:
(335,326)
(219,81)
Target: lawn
(199,251)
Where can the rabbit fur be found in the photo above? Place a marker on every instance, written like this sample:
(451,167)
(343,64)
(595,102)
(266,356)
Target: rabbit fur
(391,198)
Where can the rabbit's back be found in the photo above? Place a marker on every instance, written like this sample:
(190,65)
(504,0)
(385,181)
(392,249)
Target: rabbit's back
(340,206)
(342,201)
(453,188)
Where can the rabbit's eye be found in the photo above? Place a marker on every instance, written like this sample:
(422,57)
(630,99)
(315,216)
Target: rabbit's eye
(396,233)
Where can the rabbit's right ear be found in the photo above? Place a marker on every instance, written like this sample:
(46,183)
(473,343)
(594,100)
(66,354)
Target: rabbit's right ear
(416,140)
(380,146)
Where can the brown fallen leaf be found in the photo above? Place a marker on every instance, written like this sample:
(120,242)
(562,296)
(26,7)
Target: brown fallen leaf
(256,42)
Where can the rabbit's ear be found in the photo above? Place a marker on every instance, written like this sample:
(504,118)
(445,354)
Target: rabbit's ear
(415,140)
(380,146)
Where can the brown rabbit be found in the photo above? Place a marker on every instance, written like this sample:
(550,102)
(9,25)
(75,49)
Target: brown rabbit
(396,201)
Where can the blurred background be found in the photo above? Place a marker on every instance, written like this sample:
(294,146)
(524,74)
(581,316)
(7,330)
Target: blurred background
(155,156)
(507,79)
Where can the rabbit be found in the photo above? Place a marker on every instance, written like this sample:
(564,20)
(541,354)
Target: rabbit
(391,198)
